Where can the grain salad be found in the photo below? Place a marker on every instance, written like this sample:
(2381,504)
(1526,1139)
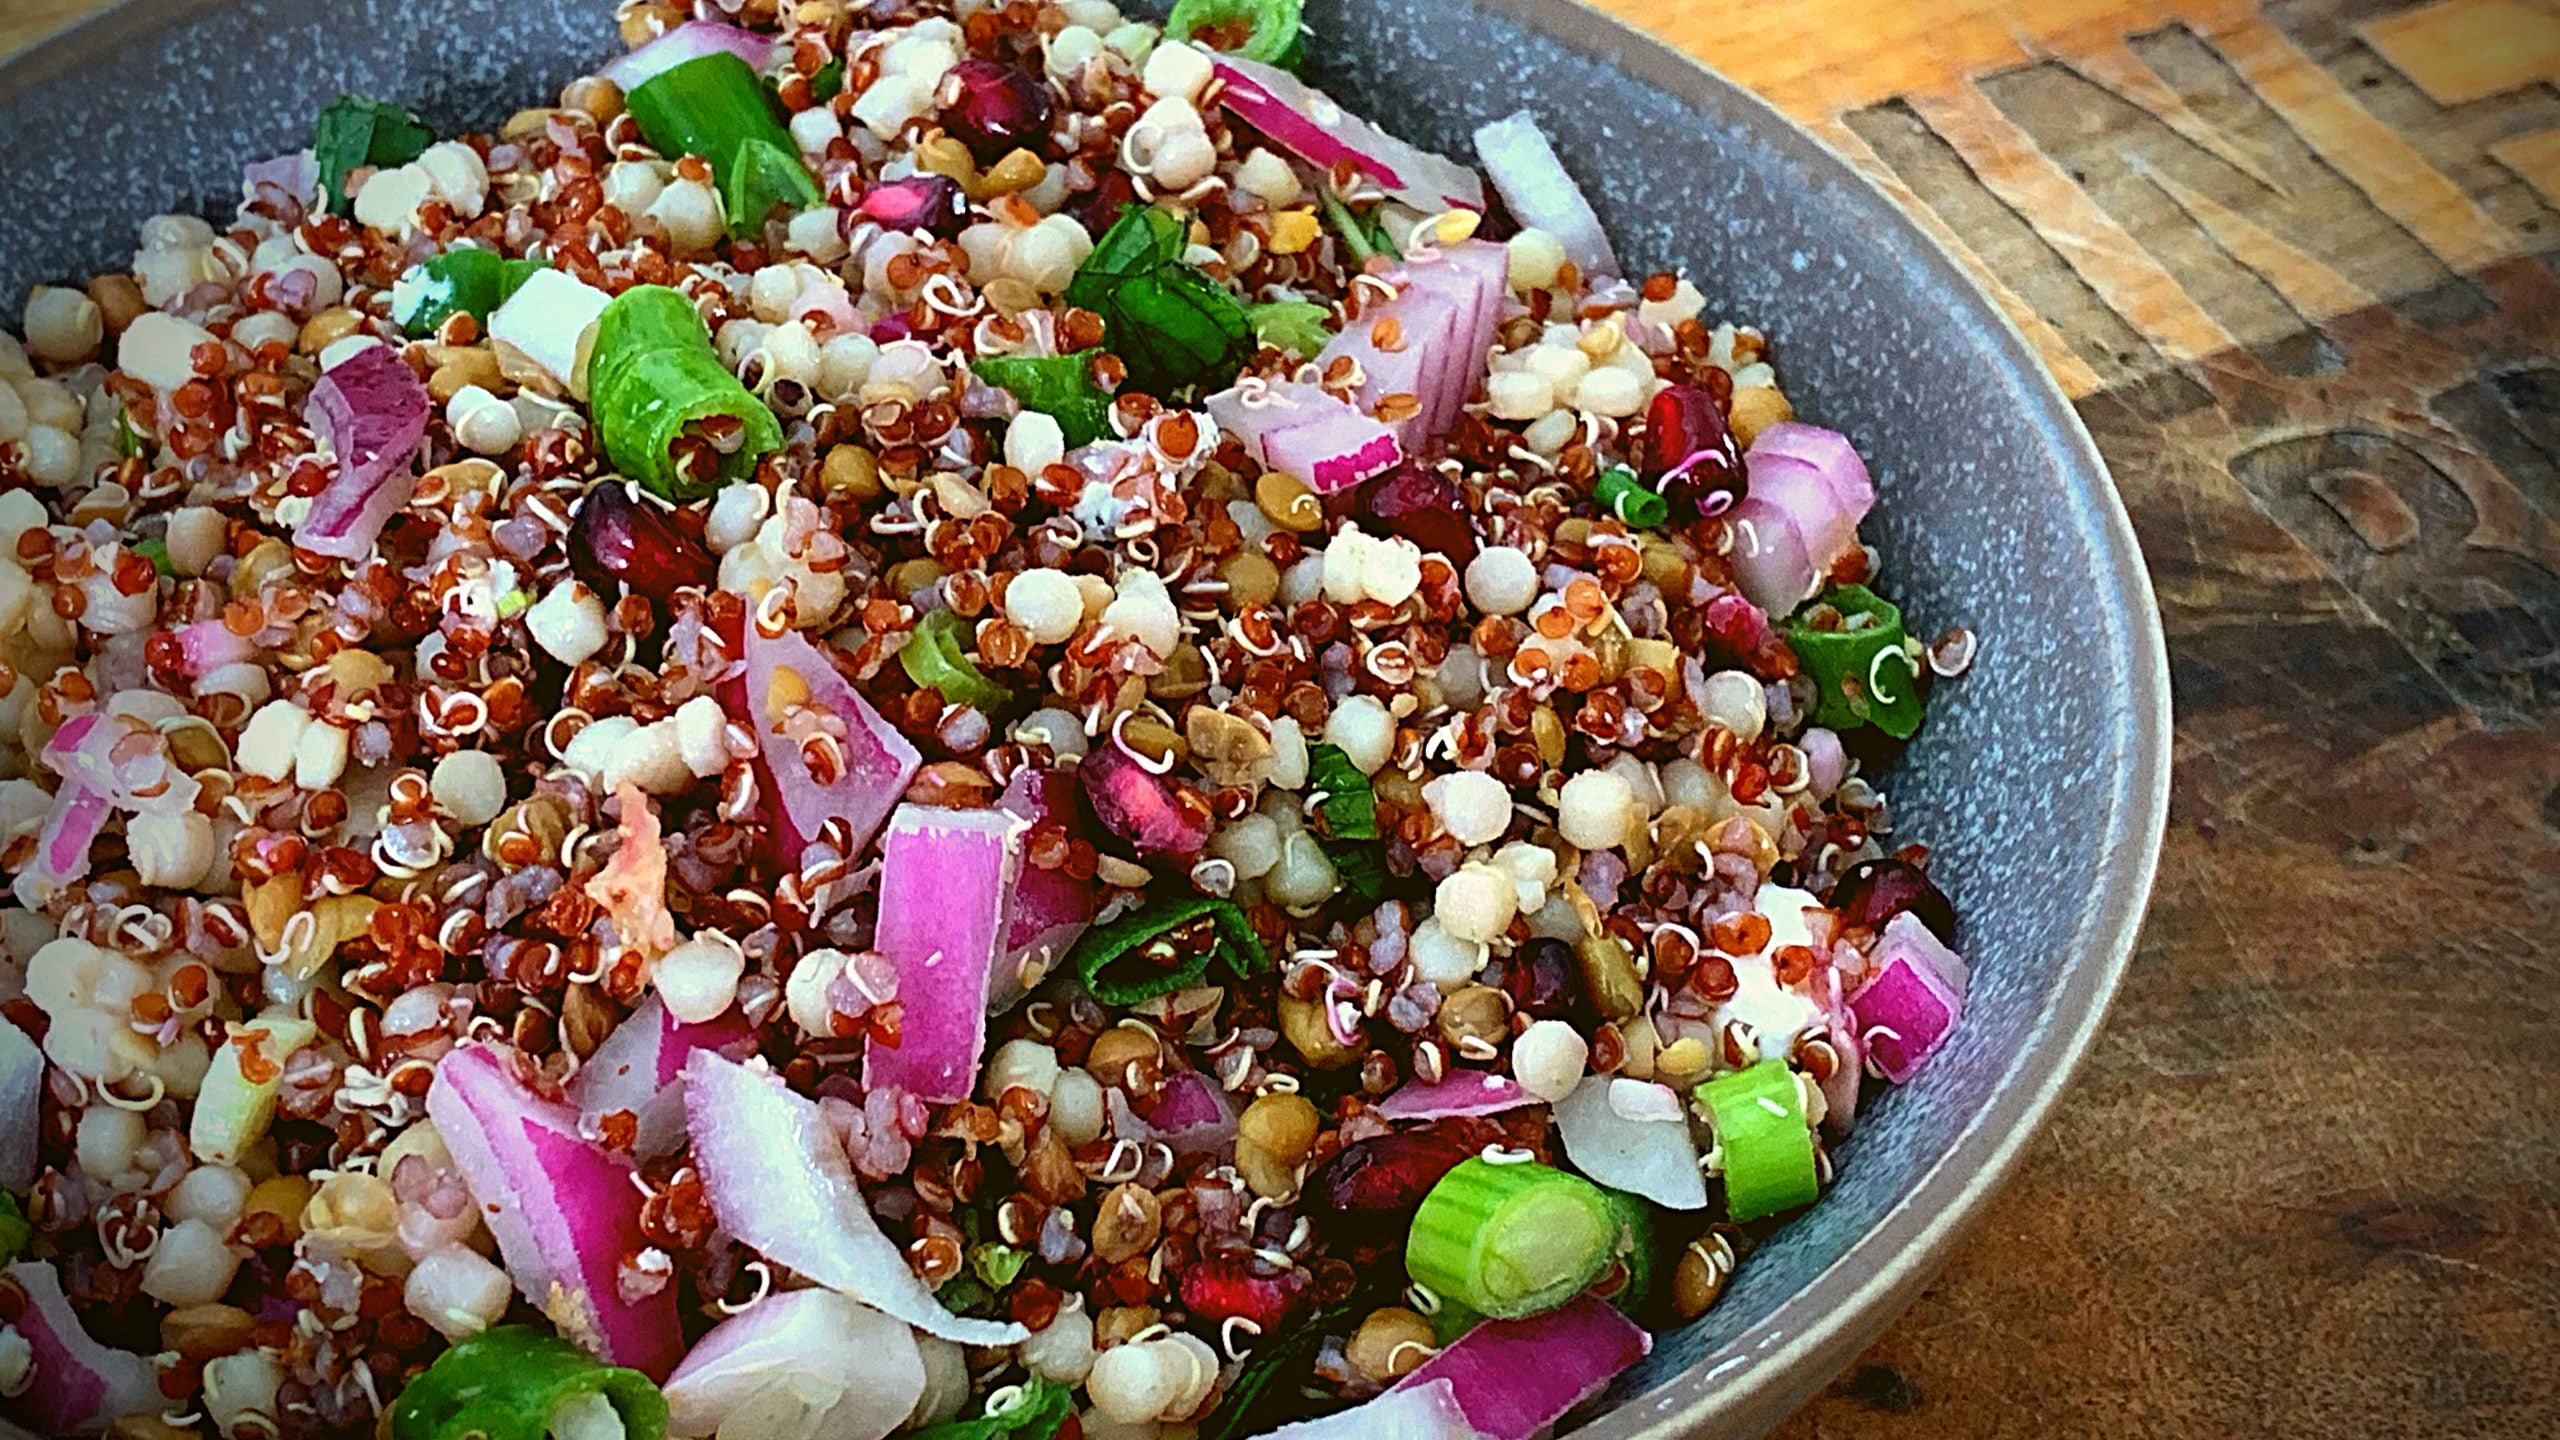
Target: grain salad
(927,717)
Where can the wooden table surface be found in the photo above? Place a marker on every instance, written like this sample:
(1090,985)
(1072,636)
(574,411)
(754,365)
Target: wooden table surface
(2294,259)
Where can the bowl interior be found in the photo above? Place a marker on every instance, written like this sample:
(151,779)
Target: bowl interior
(2040,779)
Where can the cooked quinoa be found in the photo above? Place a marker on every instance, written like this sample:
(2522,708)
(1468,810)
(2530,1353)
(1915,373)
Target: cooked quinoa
(925,717)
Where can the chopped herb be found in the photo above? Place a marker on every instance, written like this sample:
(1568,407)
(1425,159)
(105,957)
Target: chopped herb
(155,550)
(1350,807)
(354,132)
(1296,327)
(716,107)
(15,1230)
(935,655)
(1058,386)
(997,1265)
(511,1382)
(1141,956)
(1171,324)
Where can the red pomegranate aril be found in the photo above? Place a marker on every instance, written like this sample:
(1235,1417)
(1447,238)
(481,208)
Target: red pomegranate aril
(1111,194)
(618,538)
(1874,891)
(993,107)
(933,203)
(1150,813)
(1539,979)
(1689,453)
(1223,1289)
(1373,1187)
(1424,507)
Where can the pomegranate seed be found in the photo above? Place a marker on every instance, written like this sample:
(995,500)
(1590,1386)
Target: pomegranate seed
(1539,978)
(616,537)
(920,202)
(1874,891)
(993,108)
(1153,814)
(1374,1186)
(1423,506)
(1221,1290)
(1111,194)
(1685,431)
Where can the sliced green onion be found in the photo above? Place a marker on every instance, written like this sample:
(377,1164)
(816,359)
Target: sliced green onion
(155,550)
(1264,30)
(1036,1410)
(1864,669)
(937,655)
(1760,1130)
(1364,238)
(512,1382)
(1171,324)
(1058,386)
(468,281)
(997,1265)
(716,107)
(1350,807)
(131,442)
(1635,1250)
(15,1229)
(653,376)
(1359,867)
(1621,494)
(1296,327)
(1161,947)
(1511,1239)
(354,131)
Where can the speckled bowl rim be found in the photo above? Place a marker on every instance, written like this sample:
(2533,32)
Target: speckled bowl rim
(1748,1384)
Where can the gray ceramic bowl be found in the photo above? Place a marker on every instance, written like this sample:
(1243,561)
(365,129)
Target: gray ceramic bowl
(2041,780)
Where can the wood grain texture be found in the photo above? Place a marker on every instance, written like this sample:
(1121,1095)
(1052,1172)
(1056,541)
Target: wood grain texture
(2294,259)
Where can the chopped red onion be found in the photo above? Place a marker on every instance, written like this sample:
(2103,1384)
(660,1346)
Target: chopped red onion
(640,1068)
(1912,998)
(946,896)
(1051,908)
(690,41)
(565,1210)
(1307,123)
(1192,1116)
(1437,335)
(1429,1410)
(372,410)
(208,645)
(77,1386)
(297,175)
(779,1181)
(79,815)
(1829,453)
(1514,1378)
(1463,1092)
(876,760)
(1769,558)
(799,1365)
(1630,1135)
(1540,193)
